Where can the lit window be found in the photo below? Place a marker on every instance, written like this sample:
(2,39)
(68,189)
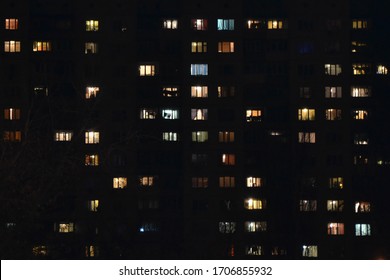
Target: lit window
(42,91)
(91,92)
(64,227)
(278,251)
(147,114)
(199,24)
(226,91)
(12,114)
(226,136)
(11,24)
(254,182)
(225,24)
(199,114)
(92,25)
(199,91)
(170,23)
(91,251)
(362,207)
(119,182)
(91,160)
(12,136)
(307,205)
(333,114)
(381,70)
(12,46)
(200,182)
(336,183)
(362,229)
(361,68)
(305,92)
(92,137)
(306,114)
(40,251)
(170,91)
(227,227)
(360,139)
(199,69)
(228,159)
(256,24)
(254,204)
(335,205)
(359,24)
(360,91)
(310,251)
(91,48)
(198,47)
(63,136)
(255,226)
(358,46)
(227,182)
(332,69)
(307,137)
(170,136)
(333,92)
(360,114)
(93,205)
(147,70)
(226,47)
(335,228)
(253,250)
(276,24)
(253,115)
(200,136)
(147,181)
(170,114)
(41,46)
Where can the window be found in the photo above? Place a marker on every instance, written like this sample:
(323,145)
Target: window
(92,137)
(147,114)
(228,159)
(148,204)
(119,182)
(149,227)
(227,227)
(93,205)
(335,205)
(170,23)
(226,91)
(41,46)
(91,92)
(253,250)
(305,48)
(11,24)
(381,70)
(227,182)
(226,47)
(200,136)
(225,24)
(199,159)
(358,46)
(254,182)
(199,69)
(64,227)
(91,48)
(199,24)
(306,114)
(333,114)
(199,91)
(360,91)
(307,205)
(12,46)
(40,251)
(91,251)
(170,136)
(332,69)
(360,114)
(362,207)
(226,136)
(336,183)
(360,159)
(253,24)
(170,114)
(147,181)
(12,136)
(199,114)
(12,114)
(333,92)
(170,91)
(361,68)
(198,47)
(276,24)
(92,25)
(254,204)
(200,182)
(360,139)
(253,115)
(306,137)
(305,92)
(359,24)
(91,160)
(63,136)
(255,226)
(41,90)
(362,230)
(335,228)
(310,251)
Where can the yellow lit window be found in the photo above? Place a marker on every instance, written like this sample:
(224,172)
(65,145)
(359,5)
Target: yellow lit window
(65,227)
(170,91)
(91,48)
(198,47)
(93,205)
(119,182)
(92,25)
(63,136)
(359,24)
(92,137)
(147,181)
(254,182)
(255,226)
(254,204)
(12,46)
(91,160)
(147,70)
(381,70)
(170,24)
(91,92)
(360,114)
(11,24)
(276,24)
(332,69)
(199,91)
(200,136)
(253,115)
(333,114)
(336,183)
(40,251)
(335,205)
(12,114)
(361,68)
(41,46)
(91,251)
(306,114)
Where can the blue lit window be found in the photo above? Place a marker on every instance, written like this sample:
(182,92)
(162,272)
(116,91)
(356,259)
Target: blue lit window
(199,69)
(225,24)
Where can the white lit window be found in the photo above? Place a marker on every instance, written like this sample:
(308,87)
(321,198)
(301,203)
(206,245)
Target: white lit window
(226,47)
(200,182)
(227,227)
(226,136)
(381,70)
(335,205)
(147,181)
(225,24)
(170,91)
(11,24)
(200,136)
(91,92)
(199,114)
(12,46)
(91,160)
(199,91)
(276,24)
(198,47)
(228,159)
(310,251)
(199,24)
(147,70)
(335,228)
(336,183)
(333,114)
(12,114)
(332,69)
(360,139)
(93,205)
(63,136)
(92,137)
(306,114)
(255,226)
(41,46)
(254,182)
(360,114)
(91,48)
(254,204)
(359,24)
(362,207)
(362,229)
(119,182)
(333,92)
(147,114)
(64,227)
(170,114)
(227,182)
(199,69)
(253,115)
(170,23)
(92,25)
(306,137)
(170,136)
(360,91)
(307,205)
(361,68)
(255,24)
(253,250)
